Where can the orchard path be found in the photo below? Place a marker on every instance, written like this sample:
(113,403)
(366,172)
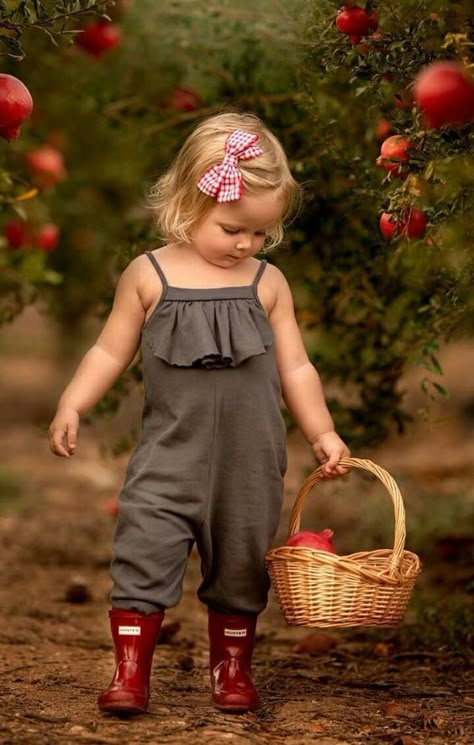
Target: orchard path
(57,654)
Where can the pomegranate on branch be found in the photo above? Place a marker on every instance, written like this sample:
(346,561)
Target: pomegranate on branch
(411,223)
(395,155)
(444,92)
(21,234)
(383,129)
(355,22)
(16,105)
(47,237)
(185,98)
(98,38)
(46,165)
(16,233)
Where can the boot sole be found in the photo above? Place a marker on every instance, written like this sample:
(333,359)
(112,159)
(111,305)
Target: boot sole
(124,711)
(235,708)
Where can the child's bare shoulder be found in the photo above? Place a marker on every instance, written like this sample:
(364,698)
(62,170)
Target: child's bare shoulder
(148,282)
(273,274)
(270,285)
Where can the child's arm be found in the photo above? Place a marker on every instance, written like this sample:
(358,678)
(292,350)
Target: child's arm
(301,384)
(100,367)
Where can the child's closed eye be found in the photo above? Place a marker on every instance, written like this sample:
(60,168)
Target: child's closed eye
(234,231)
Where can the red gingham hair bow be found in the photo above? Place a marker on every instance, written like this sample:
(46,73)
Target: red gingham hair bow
(224,180)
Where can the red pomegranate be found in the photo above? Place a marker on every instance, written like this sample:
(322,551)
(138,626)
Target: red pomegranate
(321,541)
(410,224)
(98,38)
(46,165)
(383,129)
(185,98)
(47,237)
(16,105)
(395,148)
(16,232)
(355,22)
(444,92)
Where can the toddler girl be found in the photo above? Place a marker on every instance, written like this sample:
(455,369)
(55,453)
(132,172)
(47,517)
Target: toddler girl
(220,345)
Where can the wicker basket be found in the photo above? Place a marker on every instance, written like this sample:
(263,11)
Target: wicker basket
(370,588)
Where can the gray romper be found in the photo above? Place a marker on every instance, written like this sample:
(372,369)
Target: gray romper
(209,465)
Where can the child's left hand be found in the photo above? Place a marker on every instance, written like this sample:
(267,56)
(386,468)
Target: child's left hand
(329,449)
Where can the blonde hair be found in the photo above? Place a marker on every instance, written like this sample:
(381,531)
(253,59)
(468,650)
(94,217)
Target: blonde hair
(177,203)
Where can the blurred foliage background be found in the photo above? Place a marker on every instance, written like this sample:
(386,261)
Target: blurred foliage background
(368,308)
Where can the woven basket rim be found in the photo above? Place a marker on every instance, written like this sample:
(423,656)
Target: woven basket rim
(393,490)
(355,563)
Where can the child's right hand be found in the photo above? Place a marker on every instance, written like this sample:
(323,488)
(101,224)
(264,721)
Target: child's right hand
(63,432)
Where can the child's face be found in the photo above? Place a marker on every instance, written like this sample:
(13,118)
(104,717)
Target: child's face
(233,231)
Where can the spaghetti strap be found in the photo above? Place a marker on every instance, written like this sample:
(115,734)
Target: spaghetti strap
(158,269)
(260,270)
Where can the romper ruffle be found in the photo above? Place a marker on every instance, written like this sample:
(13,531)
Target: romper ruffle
(218,327)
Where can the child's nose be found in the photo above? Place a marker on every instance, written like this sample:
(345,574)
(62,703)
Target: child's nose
(244,243)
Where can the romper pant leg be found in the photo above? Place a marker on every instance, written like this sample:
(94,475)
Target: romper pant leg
(245,496)
(161,503)
(151,548)
(232,544)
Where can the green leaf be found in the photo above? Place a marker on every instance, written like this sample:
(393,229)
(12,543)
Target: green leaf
(52,278)
(429,170)
(441,390)
(436,366)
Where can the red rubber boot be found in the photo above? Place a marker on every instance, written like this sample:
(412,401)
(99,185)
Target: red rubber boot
(231,640)
(134,635)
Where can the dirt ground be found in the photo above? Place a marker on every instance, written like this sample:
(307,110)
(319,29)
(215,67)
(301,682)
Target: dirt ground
(352,686)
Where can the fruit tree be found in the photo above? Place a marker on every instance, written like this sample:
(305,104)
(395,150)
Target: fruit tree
(373,104)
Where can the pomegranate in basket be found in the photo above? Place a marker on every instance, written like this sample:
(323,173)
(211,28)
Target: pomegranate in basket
(321,541)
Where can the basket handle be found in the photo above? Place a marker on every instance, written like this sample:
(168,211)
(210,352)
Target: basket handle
(387,481)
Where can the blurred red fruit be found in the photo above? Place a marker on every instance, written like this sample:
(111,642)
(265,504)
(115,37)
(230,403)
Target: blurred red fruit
(47,237)
(445,94)
(185,98)
(383,129)
(410,224)
(16,105)
(46,165)
(395,148)
(355,22)
(16,232)
(98,38)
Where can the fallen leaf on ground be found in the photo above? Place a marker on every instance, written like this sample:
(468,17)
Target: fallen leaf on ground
(382,649)
(168,631)
(317,643)
(391,709)
(406,740)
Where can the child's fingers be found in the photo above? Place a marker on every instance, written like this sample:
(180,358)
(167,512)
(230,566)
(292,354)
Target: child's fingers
(62,439)
(330,466)
(72,437)
(56,443)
